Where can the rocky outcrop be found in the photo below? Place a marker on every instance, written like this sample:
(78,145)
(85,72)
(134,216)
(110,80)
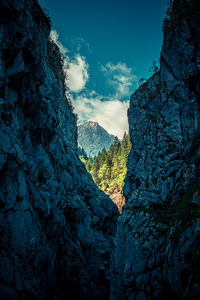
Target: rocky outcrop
(93,138)
(156,253)
(56,227)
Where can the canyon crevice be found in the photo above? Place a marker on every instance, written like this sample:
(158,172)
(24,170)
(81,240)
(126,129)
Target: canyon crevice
(59,234)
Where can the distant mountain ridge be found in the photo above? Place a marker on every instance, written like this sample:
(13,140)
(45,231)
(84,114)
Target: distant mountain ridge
(93,138)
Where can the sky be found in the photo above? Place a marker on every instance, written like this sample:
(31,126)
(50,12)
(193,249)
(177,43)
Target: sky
(109,45)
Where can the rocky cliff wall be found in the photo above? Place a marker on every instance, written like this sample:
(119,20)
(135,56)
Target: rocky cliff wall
(56,227)
(156,253)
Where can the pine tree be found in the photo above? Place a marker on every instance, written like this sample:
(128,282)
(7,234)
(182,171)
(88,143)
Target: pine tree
(108,169)
(116,144)
(95,171)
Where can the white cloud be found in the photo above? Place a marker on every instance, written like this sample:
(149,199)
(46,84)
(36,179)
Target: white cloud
(55,37)
(120,67)
(110,113)
(76,69)
(120,77)
(80,42)
(77,73)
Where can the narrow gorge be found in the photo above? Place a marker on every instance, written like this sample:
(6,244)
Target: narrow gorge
(60,236)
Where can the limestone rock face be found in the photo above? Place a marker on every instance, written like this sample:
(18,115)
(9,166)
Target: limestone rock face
(158,236)
(56,227)
(93,138)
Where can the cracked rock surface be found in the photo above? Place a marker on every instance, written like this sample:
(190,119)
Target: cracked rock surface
(56,226)
(58,231)
(158,234)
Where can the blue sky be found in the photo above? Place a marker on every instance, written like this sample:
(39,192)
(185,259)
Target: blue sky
(109,46)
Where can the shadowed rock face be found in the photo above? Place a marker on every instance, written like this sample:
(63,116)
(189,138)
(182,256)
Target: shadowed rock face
(93,138)
(56,226)
(158,236)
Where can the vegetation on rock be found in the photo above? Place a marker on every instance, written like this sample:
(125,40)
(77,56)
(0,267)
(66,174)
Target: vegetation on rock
(108,168)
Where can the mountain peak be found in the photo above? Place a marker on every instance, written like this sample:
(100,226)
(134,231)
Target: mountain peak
(93,138)
(90,124)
